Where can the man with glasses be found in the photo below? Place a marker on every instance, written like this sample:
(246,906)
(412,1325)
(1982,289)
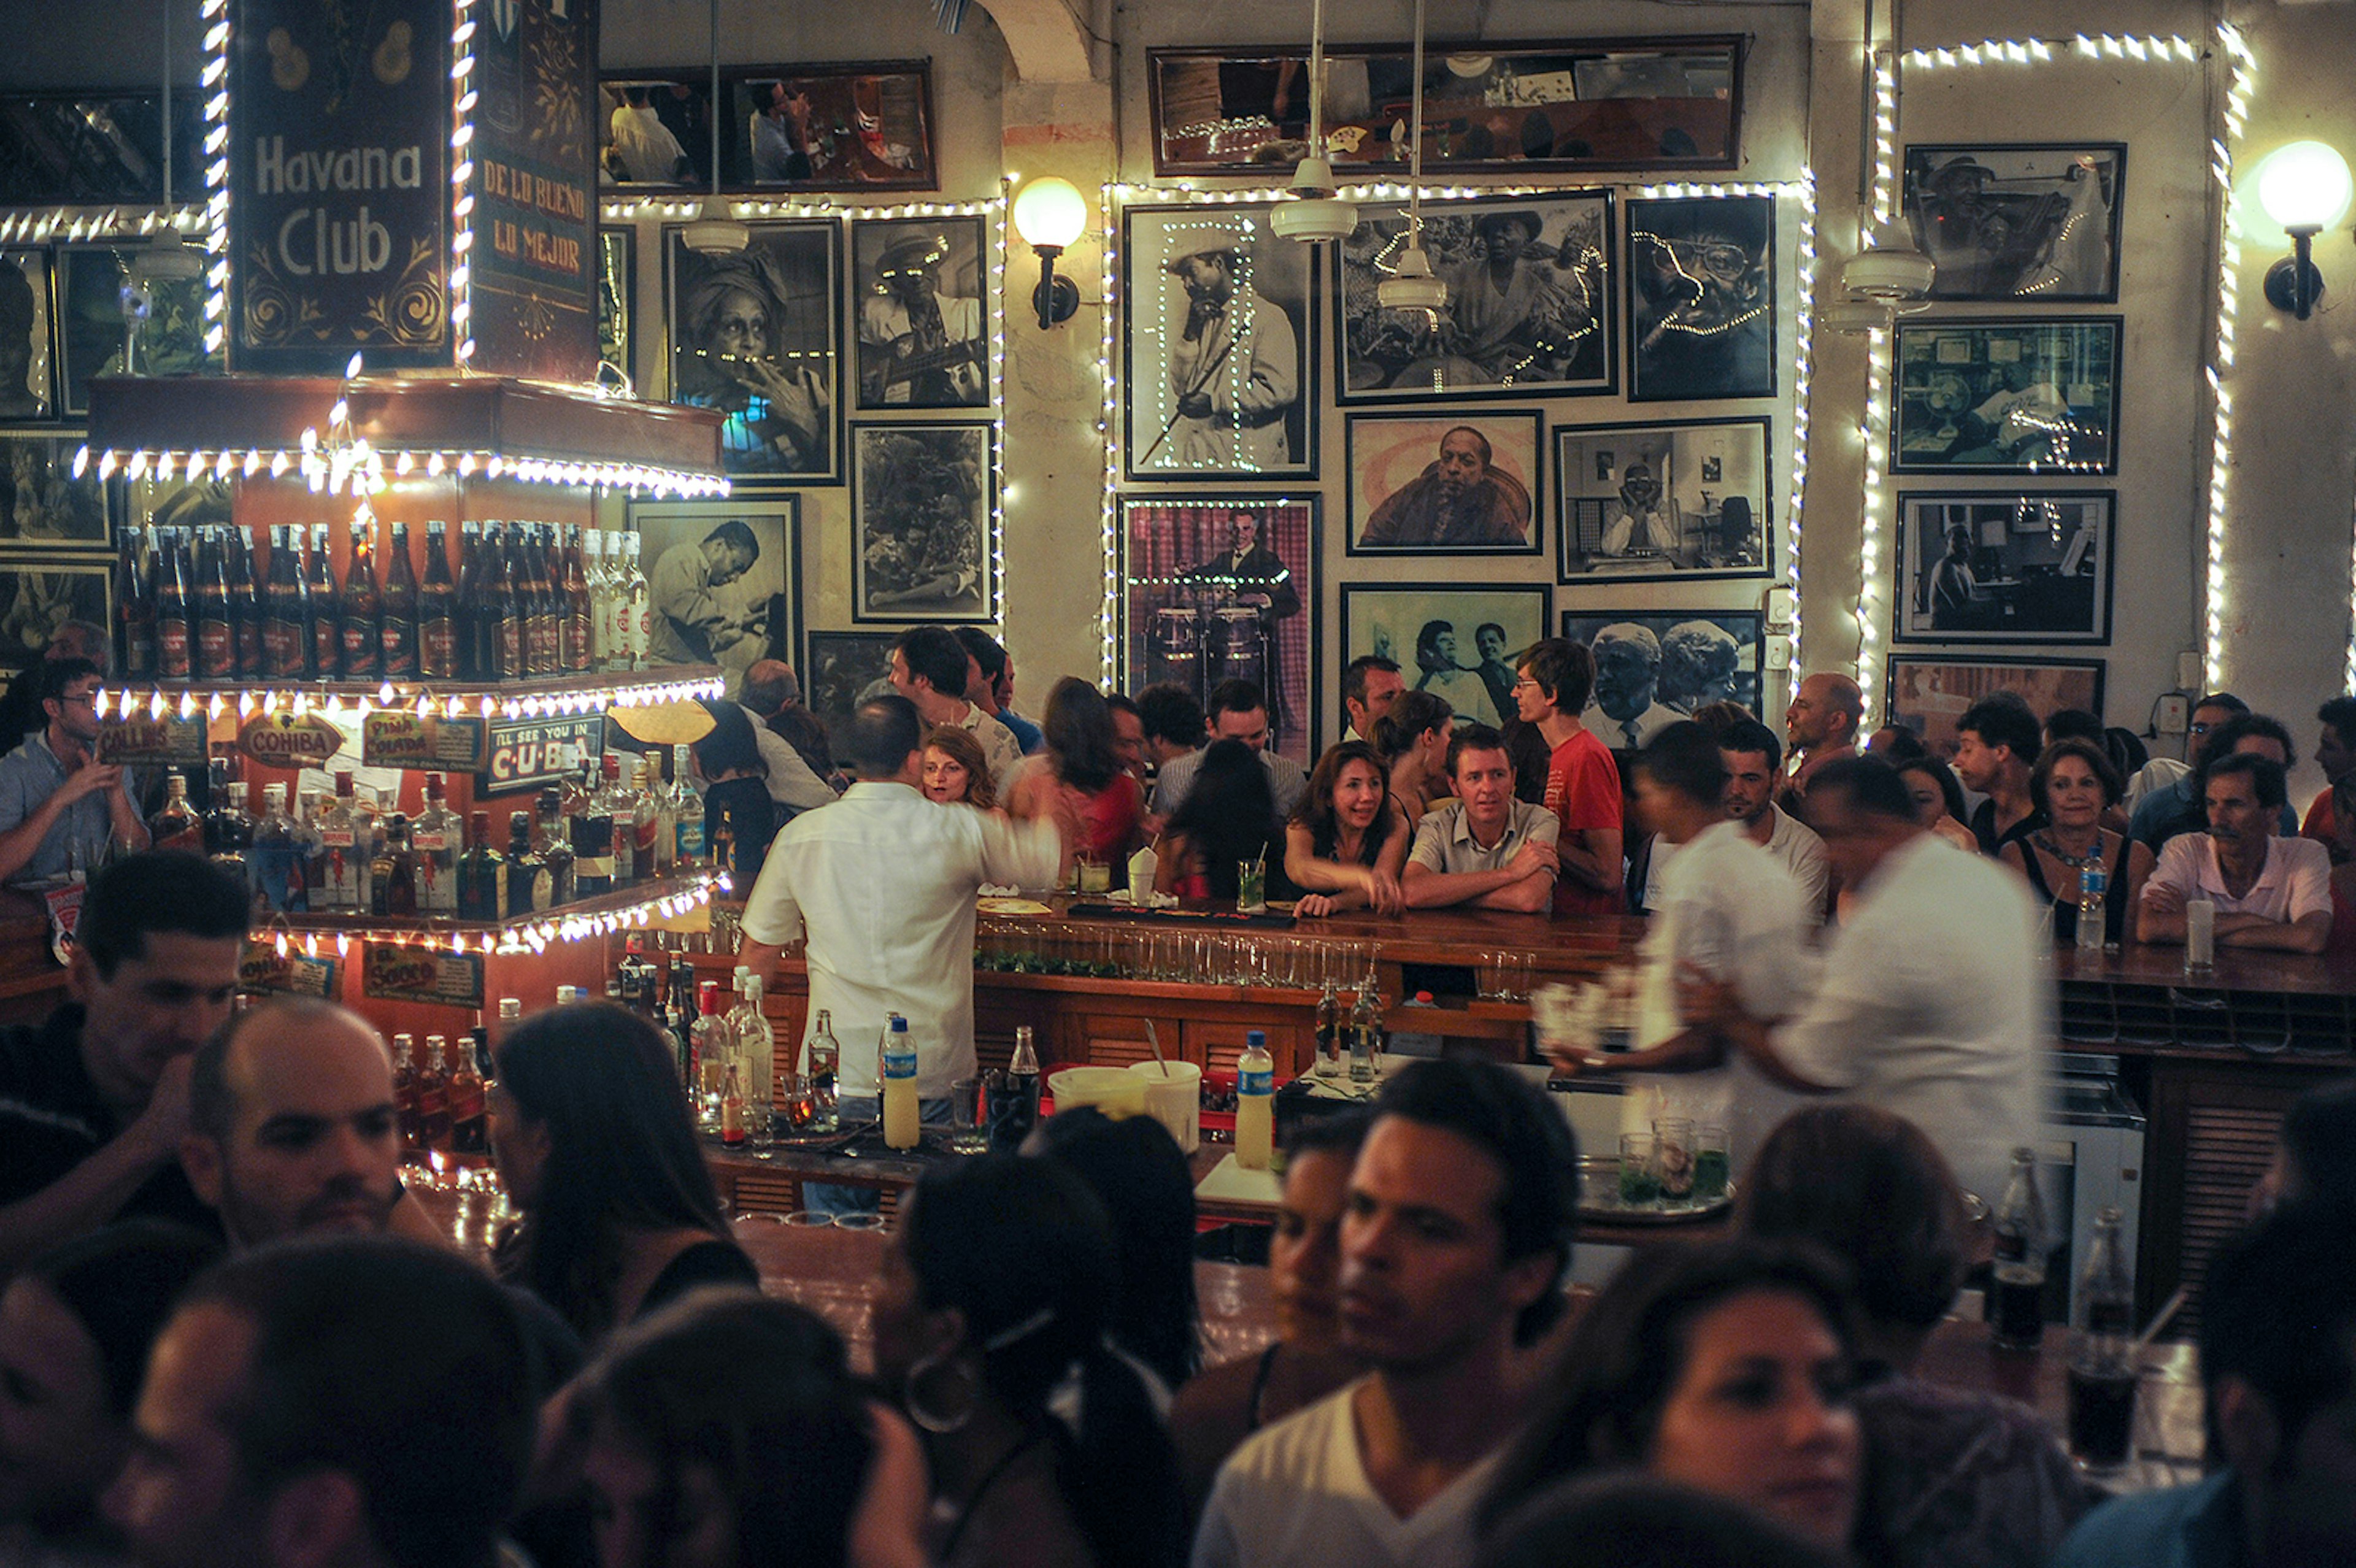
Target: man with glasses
(55,794)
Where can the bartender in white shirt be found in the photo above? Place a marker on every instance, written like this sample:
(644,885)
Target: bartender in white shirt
(2270,892)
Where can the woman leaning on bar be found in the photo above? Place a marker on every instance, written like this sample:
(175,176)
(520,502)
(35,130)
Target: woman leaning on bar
(1346,845)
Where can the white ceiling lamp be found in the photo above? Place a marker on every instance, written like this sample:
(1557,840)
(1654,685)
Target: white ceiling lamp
(714,233)
(1411,285)
(167,259)
(1889,269)
(1315,212)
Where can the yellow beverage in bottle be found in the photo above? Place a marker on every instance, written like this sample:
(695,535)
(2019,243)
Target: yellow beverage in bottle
(1255,1104)
(899,1117)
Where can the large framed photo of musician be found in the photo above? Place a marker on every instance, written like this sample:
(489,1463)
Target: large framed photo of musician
(43,506)
(1461,641)
(618,307)
(2006,567)
(923,312)
(2028,396)
(2038,223)
(1530,309)
(1444,483)
(1216,377)
(924,498)
(1652,503)
(1222,587)
(1701,298)
(841,669)
(1929,692)
(39,593)
(723,579)
(757,334)
(1654,667)
(27,357)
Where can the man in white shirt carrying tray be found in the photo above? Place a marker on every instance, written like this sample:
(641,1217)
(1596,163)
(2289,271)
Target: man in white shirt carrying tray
(1454,1242)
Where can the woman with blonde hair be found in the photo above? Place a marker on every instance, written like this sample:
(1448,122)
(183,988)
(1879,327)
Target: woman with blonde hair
(955,770)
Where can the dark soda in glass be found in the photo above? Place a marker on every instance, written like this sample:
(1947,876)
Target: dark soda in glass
(2102,1415)
(2016,1306)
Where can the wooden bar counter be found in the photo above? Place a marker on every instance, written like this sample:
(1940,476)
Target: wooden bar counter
(32,982)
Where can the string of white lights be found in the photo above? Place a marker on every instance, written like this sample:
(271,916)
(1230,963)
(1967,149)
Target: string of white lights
(1874,430)
(214,82)
(30,226)
(462,178)
(637,478)
(215,702)
(516,936)
(2242,68)
(1109,427)
(1000,491)
(649,210)
(1804,353)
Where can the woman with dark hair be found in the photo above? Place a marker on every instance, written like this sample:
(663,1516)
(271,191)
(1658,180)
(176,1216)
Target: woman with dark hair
(75,1326)
(997,1289)
(1725,1366)
(1082,760)
(2075,786)
(1960,1478)
(727,1432)
(594,1141)
(1634,1521)
(1346,843)
(740,817)
(1938,800)
(1228,817)
(1137,1171)
(1411,739)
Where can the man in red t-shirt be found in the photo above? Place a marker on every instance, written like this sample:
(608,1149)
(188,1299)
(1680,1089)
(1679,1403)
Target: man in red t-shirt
(1582,781)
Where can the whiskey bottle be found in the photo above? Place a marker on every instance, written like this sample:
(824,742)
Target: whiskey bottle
(482,873)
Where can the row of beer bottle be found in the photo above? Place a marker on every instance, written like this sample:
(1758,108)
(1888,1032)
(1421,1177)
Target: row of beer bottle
(530,600)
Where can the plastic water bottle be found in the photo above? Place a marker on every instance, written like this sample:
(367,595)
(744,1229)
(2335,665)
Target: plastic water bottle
(2093,884)
(1255,1104)
(901,1128)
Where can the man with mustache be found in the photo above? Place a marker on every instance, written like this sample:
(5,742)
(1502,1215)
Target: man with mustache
(1458,499)
(2270,892)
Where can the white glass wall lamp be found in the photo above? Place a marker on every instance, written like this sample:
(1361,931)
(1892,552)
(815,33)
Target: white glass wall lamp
(2305,188)
(1050,214)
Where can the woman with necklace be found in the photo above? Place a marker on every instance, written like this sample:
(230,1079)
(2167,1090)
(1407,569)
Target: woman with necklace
(2073,783)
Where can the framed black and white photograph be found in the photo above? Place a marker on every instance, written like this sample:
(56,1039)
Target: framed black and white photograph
(618,305)
(2007,397)
(724,580)
(28,357)
(1701,298)
(2004,566)
(841,669)
(923,311)
(1653,666)
(148,502)
(1929,692)
(99,149)
(1530,309)
(2020,222)
(1444,483)
(39,593)
(922,497)
(94,308)
(1224,587)
(757,334)
(42,505)
(1216,376)
(856,126)
(655,130)
(1461,641)
(1654,502)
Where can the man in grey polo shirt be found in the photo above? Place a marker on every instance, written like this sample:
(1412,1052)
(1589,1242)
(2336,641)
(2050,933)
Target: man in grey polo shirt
(1483,848)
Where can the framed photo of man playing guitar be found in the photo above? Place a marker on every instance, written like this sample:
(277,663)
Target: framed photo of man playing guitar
(923,312)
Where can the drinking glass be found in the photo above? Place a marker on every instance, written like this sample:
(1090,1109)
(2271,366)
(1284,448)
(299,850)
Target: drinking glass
(969,1118)
(1640,1180)
(1251,886)
(1673,1157)
(1713,1164)
(1518,969)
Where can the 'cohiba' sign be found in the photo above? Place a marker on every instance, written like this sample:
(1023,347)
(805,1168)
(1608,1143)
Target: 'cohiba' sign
(283,740)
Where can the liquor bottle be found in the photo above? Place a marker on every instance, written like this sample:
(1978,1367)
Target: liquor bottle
(176,825)
(435,841)
(437,607)
(344,865)
(465,603)
(135,608)
(714,1045)
(1329,1033)
(2017,1303)
(579,611)
(469,1121)
(756,1048)
(273,861)
(732,1108)
(434,1096)
(620,807)
(392,871)
(686,812)
(404,1094)
(897,1055)
(528,887)
(482,873)
(245,607)
(549,609)
(1255,1104)
(618,600)
(216,632)
(593,845)
(283,632)
(653,849)
(675,1026)
(175,616)
(229,829)
(642,612)
(325,611)
(554,848)
(363,607)
(592,572)
(508,608)
(398,628)
(1365,1030)
(822,1065)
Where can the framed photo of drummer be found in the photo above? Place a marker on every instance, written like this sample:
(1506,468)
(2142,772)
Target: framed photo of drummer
(1216,376)
(923,312)
(1223,588)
